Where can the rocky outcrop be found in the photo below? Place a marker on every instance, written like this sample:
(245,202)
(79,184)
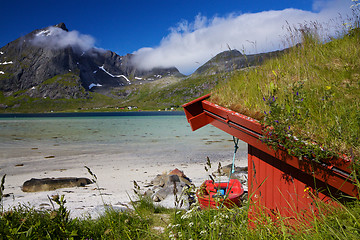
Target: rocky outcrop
(170,187)
(67,86)
(48,184)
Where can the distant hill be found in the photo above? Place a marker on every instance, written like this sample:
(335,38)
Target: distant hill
(231,60)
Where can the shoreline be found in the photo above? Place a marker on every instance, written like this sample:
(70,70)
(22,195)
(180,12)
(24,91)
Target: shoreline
(118,150)
(92,113)
(115,179)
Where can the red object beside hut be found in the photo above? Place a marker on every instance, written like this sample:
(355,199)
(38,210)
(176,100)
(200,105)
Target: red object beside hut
(220,194)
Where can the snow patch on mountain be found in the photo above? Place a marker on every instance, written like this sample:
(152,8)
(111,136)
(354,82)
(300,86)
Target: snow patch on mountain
(94,85)
(125,78)
(5,63)
(102,68)
(114,76)
(46,32)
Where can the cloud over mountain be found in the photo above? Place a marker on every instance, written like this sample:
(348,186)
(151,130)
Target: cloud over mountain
(191,44)
(55,37)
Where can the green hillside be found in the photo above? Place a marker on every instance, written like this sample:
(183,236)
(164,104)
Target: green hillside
(311,94)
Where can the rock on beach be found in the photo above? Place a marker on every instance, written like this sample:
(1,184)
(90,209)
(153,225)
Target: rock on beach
(49,184)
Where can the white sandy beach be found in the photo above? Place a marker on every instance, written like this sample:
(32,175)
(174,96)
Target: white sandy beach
(115,170)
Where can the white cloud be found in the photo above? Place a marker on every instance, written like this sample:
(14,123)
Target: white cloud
(58,38)
(190,45)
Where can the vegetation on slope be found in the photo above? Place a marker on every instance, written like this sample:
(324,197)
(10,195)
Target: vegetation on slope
(168,93)
(161,94)
(311,94)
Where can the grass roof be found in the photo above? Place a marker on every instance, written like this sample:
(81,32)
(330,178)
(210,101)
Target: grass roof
(311,93)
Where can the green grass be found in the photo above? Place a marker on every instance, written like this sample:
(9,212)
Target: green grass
(312,93)
(148,221)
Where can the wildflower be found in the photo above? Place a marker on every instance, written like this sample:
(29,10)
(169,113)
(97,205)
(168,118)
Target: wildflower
(203,232)
(185,216)
(215,223)
(191,224)
(188,214)
(171,235)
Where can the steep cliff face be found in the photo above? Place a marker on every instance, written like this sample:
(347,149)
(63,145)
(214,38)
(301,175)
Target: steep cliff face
(44,54)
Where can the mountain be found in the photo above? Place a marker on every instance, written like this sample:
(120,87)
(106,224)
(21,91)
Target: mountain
(231,60)
(54,69)
(49,63)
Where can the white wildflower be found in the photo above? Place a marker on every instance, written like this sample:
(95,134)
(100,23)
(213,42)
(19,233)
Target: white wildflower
(203,232)
(171,235)
(185,216)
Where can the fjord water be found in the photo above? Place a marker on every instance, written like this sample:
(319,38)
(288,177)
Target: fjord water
(147,135)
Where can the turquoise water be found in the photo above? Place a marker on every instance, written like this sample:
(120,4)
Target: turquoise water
(149,135)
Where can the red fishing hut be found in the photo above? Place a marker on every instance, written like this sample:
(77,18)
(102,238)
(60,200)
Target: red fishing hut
(277,182)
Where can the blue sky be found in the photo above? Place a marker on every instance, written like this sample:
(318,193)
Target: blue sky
(183,33)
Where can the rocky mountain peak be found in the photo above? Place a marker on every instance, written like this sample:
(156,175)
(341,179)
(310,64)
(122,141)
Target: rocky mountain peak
(62,26)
